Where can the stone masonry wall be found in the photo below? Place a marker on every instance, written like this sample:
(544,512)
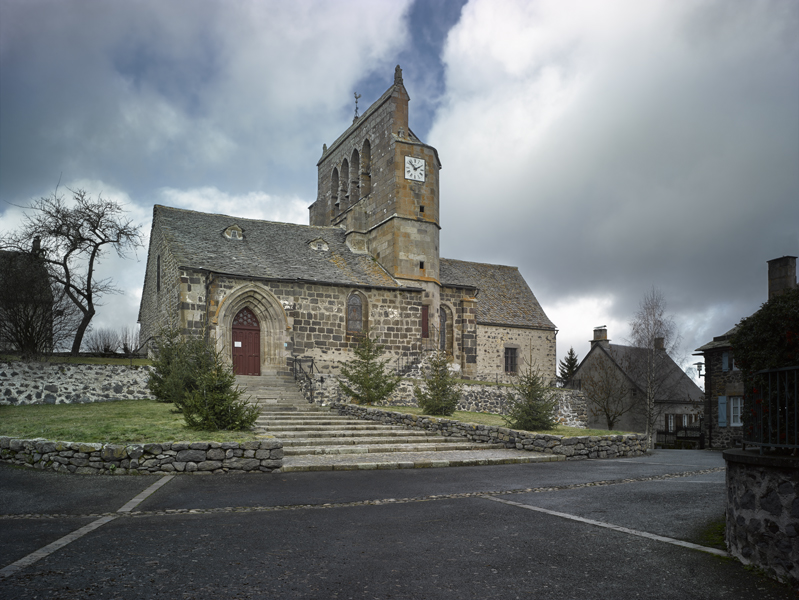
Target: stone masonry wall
(573,448)
(572,406)
(763,512)
(536,345)
(116,459)
(63,383)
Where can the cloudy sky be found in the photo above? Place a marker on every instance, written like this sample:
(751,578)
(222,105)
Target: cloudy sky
(603,147)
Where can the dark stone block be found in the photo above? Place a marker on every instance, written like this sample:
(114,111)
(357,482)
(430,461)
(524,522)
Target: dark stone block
(771,503)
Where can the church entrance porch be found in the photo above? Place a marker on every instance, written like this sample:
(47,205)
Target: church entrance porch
(246,343)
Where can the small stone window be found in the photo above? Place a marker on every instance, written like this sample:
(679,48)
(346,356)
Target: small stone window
(319,245)
(421,209)
(421,265)
(234,232)
(510,360)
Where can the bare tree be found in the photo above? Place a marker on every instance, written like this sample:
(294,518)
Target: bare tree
(608,389)
(129,339)
(657,341)
(102,341)
(36,316)
(74,236)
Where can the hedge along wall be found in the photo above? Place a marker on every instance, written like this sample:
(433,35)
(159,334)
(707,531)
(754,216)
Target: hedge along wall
(573,448)
(115,459)
(65,383)
(572,405)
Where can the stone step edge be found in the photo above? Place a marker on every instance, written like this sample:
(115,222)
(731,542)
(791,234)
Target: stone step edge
(418,464)
(406,448)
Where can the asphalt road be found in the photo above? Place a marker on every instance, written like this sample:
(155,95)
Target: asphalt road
(469,532)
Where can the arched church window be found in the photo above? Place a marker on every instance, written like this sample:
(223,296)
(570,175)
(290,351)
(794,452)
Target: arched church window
(442,329)
(355,314)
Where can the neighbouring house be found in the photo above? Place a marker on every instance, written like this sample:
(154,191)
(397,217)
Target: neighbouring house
(724,387)
(618,369)
(369,261)
(26,302)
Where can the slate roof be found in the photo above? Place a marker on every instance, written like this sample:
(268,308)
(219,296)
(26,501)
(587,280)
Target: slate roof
(679,385)
(269,250)
(504,296)
(720,341)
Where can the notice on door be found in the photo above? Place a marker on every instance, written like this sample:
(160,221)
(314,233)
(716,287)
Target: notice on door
(237,344)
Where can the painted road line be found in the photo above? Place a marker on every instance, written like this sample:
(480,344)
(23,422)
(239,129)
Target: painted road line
(79,533)
(145,494)
(643,534)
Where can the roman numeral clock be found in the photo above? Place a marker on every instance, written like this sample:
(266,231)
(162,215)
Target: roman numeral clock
(414,168)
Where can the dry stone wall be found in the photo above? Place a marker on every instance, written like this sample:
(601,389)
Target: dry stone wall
(117,459)
(63,383)
(572,448)
(572,405)
(763,512)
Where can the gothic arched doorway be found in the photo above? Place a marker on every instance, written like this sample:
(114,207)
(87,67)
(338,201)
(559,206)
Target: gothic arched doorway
(246,343)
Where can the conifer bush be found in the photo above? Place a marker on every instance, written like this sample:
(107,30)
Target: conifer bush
(442,389)
(192,374)
(534,406)
(365,378)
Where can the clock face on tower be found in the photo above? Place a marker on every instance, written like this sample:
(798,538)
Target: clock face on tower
(414,168)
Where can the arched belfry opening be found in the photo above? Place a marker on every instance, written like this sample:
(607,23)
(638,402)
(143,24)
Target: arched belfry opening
(252,315)
(344,189)
(355,183)
(334,187)
(366,169)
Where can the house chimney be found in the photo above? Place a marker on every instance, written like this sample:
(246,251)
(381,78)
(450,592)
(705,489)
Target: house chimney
(781,275)
(600,335)
(660,343)
(36,249)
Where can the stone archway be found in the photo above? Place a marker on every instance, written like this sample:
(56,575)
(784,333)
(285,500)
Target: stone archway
(270,316)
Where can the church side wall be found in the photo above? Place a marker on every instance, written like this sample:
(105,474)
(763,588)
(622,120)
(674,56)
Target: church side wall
(533,345)
(315,317)
(159,307)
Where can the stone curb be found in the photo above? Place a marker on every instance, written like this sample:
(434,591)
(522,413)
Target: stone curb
(417,464)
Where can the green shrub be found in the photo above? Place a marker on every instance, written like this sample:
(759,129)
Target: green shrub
(534,406)
(216,403)
(191,373)
(366,379)
(442,387)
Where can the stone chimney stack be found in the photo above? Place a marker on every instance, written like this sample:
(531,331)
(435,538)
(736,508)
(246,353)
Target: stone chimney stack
(660,343)
(600,336)
(781,275)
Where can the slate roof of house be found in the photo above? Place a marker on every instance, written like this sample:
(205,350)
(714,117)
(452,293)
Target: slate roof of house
(504,298)
(269,250)
(680,387)
(720,341)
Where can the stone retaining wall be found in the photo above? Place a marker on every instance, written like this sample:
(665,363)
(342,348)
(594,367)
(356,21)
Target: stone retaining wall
(572,405)
(174,457)
(763,512)
(66,383)
(573,448)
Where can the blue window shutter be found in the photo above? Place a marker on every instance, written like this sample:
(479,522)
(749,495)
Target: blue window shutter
(722,411)
(725,362)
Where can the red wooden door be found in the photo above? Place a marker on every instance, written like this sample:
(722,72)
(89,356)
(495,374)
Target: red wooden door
(246,343)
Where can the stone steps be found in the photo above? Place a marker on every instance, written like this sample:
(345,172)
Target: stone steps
(331,441)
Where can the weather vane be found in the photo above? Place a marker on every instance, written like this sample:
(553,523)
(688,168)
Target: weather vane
(357,95)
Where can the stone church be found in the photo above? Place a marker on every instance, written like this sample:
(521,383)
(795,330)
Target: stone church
(271,293)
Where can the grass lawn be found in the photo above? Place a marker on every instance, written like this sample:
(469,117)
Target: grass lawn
(121,422)
(497,420)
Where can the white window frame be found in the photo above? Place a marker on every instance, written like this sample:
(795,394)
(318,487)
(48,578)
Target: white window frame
(736,411)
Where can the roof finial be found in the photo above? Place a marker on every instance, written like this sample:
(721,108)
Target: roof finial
(397,75)
(357,95)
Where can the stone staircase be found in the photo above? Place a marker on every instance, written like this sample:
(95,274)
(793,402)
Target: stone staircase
(314,438)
